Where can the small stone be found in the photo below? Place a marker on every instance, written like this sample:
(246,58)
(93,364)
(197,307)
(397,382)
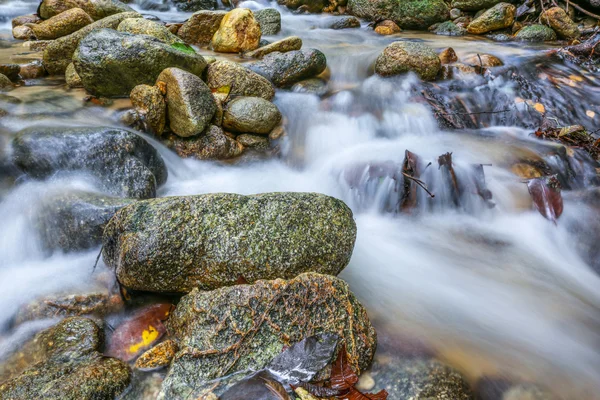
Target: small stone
(62,24)
(269,20)
(239,31)
(283,45)
(190,103)
(536,33)
(5,83)
(365,382)
(32,70)
(251,115)
(558,20)
(23,32)
(448,56)
(150,103)
(483,60)
(236,80)
(11,71)
(157,357)
(345,23)
(142,26)
(402,57)
(201,27)
(277,132)
(501,16)
(212,144)
(303,394)
(253,141)
(387,27)
(72,77)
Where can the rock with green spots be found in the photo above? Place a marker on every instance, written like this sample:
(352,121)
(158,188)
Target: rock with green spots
(402,57)
(190,103)
(284,45)
(449,28)
(411,14)
(5,83)
(135,59)
(58,54)
(149,102)
(212,144)
(501,16)
(536,33)
(175,244)
(285,69)
(269,20)
(72,77)
(62,24)
(237,80)
(97,9)
(201,27)
(559,20)
(243,327)
(195,5)
(73,221)
(473,5)
(251,115)
(419,379)
(121,162)
(142,26)
(157,357)
(238,31)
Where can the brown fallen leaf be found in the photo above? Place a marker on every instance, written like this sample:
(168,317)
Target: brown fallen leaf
(546,196)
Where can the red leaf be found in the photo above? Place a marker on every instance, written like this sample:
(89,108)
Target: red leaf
(545,193)
(342,375)
(140,332)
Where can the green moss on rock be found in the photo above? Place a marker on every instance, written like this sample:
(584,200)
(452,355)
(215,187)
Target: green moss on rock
(411,14)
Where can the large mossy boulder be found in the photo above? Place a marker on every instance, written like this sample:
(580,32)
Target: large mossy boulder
(201,27)
(190,103)
(238,80)
(195,5)
(212,144)
(59,53)
(559,20)
(142,26)
(97,9)
(63,362)
(62,24)
(243,327)
(411,14)
(251,115)
(285,69)
(106,54)
(402,57)
(238,31)
(175,244)
(501,16)
(121,162)
(75,220)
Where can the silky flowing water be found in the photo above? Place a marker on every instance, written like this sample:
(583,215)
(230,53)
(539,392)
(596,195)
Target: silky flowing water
(496,292)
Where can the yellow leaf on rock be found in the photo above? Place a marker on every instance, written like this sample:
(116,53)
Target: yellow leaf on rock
(590,113)
(148,336)
(223,89)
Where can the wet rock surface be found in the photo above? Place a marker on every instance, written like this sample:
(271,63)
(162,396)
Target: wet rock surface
(238,80)
(195,5)
(251,115)
(413,14)
(238,31)
(501,16)
(285,69)
(212,144)
(536,33)
(62,24)
(97,9)
(558,20)
(149,102)
(122,162)
(174,244)
(201,27)
(402,57)
(282,46)
(142,26)
(269,20)
(245,326)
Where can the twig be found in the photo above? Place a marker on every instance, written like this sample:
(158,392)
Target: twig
(420,183)
(97,259)
(580,9)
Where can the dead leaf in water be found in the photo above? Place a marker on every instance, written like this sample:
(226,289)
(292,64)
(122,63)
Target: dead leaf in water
(546,196)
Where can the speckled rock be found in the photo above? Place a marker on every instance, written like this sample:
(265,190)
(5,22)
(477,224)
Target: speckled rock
(449,28)
(314,86)
(419,379)
(72,77)
(212,239)
(37,45)
(5,83)
(269,20)
(536,33)
(23,32)
(448,56)
(345,22)
(473,5)
(239,31)
(144,386)
(251,115)
(190,103)
(142,26)
(285,69)
(123,163)
(11,71)
(284,45)
(195,5)
(311,6)
(97,9)
(253,141)
(135,59)
(402,57)
(75,220)
(212,144)
(501,16)
(59,53)
(62,24)
(387,27)
(239,80)
(158,356)
(32,70)
(527,392)
(558,20)
(151,106)
(201,27)
(25,19)
(97,303)
(245,326)
(483,60)
(411,14)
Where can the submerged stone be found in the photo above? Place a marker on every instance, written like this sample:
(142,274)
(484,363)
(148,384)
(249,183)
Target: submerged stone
(175,244)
